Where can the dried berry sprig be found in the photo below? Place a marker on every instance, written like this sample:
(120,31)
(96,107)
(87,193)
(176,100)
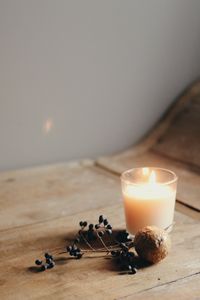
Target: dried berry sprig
(48,264)
(127,260)
(120,247)
(87,234)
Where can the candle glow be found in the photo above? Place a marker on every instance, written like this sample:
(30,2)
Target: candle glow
(148,202)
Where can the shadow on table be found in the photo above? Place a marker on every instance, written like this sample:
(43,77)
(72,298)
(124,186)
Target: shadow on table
(61,256)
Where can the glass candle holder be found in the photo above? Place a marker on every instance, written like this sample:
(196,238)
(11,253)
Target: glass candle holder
(149,197)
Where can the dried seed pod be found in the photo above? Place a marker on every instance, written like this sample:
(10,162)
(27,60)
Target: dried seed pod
(152,244)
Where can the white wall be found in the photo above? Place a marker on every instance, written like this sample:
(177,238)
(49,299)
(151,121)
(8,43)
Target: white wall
(102,71)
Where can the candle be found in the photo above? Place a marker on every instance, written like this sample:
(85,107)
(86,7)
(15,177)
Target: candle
(149,197)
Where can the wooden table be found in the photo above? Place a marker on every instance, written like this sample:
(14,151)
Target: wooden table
(41,208)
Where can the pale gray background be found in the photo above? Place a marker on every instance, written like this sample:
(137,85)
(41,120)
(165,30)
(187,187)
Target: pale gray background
(102,72)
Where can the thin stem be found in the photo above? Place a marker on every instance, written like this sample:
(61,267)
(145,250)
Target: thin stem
(110,246)
(85,240)
(103,243)
(95,250)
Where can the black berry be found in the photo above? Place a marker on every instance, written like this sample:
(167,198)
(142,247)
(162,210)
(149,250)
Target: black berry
(134,270)
(105,222)
(91,226)
(43,267)
(84,223)
(101,219)
(51,265)
(100,233)
(69,248)
(109,231)
(48,260)
(109,226)
(46,255)
(38,262)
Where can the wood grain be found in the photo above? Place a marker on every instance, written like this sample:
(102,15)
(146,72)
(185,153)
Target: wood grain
(184,289)
(40,209)
(33,195)
(87,278)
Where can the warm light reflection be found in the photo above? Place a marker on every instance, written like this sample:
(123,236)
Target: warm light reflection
(152,177)
(48,126)
(145,171)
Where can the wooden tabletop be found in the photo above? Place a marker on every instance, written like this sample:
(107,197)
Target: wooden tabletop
(40,209)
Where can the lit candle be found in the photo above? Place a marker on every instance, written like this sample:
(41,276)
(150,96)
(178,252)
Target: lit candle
(149,197)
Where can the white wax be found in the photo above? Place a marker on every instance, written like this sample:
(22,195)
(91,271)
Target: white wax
(148,204)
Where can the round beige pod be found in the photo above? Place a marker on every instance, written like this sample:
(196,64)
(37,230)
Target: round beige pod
(152,244)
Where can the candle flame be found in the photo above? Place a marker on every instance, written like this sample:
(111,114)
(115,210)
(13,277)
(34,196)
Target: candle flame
(152,177)
(145,171)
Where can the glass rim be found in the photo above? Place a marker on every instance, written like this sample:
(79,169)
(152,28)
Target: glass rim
(175,177)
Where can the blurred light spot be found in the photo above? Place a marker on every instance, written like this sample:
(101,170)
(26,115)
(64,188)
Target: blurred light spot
(145,171)
(48,126)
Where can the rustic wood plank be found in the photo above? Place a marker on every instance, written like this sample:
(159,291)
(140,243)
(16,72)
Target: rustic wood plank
(88,278)
(185,210)
(184,289)
(34,195)
(182,139)
(192,93)
(189,180)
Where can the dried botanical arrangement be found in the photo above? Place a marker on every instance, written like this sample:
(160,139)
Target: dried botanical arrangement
(149,245)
